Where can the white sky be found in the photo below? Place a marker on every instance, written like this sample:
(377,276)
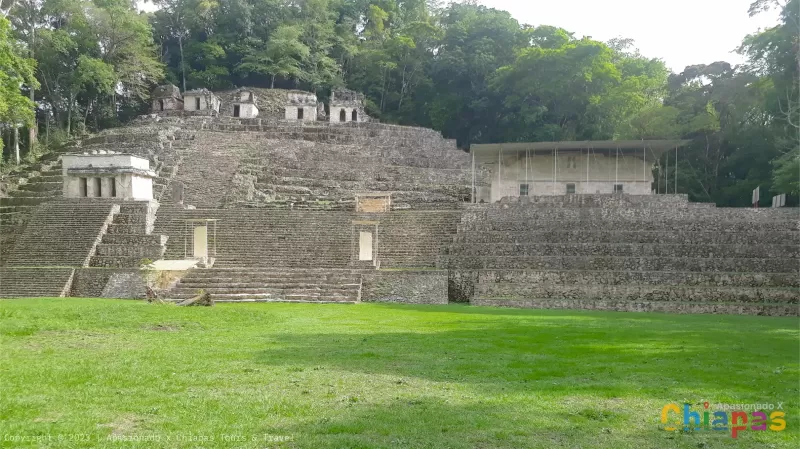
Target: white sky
(681,32)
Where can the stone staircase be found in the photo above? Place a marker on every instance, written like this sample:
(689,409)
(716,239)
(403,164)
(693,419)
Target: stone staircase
(271,284)
(623,252)
(61,233)
(318,168)
(127,242)
(34,282)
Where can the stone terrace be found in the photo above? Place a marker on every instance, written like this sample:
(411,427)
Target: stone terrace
(624,252)
(315,165)
(303,239)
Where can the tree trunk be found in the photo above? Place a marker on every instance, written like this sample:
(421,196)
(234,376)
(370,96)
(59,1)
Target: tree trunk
(272,85)
(33,130)
(183,67)
(16,143)
(86,115)
(69,116)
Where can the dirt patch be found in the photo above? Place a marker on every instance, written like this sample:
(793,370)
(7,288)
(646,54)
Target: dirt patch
(164,327)
(124,425)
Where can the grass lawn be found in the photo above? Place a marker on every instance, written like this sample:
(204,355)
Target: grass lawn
(127,374)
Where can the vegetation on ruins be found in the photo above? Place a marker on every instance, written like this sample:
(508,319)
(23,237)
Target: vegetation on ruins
(382,376)
(471,72)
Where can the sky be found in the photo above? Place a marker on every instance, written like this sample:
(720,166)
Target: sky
(681,32)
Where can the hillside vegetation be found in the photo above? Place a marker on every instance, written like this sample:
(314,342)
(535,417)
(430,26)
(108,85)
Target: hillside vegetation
(471,72)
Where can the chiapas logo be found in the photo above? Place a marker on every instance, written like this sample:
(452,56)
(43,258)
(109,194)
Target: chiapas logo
(731,418)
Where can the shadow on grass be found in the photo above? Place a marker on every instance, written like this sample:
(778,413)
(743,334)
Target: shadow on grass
(552,354)
(433,423)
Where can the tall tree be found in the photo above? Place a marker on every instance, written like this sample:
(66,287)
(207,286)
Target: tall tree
(15,71)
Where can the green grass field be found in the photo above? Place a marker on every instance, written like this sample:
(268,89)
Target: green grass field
(127,374)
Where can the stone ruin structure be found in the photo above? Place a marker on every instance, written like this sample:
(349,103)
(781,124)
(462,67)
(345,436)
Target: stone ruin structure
(201,102)
(273,208)
(167,98)
(347,106)
(106,174)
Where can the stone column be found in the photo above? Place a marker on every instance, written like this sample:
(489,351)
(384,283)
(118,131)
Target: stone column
(106,183)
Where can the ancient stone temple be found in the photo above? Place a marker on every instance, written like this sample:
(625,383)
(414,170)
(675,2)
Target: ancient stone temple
(244,104)
(201,101)
(347,106)
(106,174)
(167,98)
(275,207)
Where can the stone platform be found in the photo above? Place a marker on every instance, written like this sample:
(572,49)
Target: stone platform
(622,252)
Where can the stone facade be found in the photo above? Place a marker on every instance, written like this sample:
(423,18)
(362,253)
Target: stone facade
(166,98)
(107,175)
(347,106)
(407,287)
(244,105)
(201,101)
(301,107)
(570,172)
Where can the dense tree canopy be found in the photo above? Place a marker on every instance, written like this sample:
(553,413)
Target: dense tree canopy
(472,72)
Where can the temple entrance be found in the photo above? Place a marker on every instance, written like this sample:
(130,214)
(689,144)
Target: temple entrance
(365,246)
(236,110)
(200,242)
(342,116)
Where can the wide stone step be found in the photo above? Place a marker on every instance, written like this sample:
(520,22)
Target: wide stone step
(182,291)
(41,195)
(116,262)
(141,251)
(676,278)
(710,224)
(130,218)
(134,239)
(115,228)
(274,298)
(43,184)
(628,236)
(625,250)
(303,278)
(247,286)
(640,292)
(644,306)
(22,201)
(739,265)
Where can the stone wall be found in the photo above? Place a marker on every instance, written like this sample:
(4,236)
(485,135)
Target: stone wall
(621,252)
(90,282)
(126,285)
(408,287)
(634,306)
